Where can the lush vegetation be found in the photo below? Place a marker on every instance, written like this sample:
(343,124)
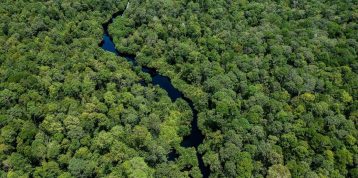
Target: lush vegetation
(275,84)
(275,81)
(70,109)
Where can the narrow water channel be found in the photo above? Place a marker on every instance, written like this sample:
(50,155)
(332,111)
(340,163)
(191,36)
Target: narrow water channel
(196,137)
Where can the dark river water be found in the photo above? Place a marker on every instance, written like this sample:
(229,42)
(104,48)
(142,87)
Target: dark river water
(196,137)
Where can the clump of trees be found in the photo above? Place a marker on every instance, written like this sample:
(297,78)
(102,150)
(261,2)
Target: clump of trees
(275,81)
(70,109)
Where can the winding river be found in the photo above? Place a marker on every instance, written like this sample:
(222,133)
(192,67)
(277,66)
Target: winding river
(196,137)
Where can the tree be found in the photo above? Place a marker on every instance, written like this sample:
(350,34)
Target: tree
(136,167)
(278,171)
(48,169)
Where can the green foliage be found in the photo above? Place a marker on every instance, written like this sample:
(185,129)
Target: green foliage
(70,109)
(278,171)
(275,84)
(274,80)
(136,167)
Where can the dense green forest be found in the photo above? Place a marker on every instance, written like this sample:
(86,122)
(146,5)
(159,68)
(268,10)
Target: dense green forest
(70,109)
(275,81)
(275,84)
